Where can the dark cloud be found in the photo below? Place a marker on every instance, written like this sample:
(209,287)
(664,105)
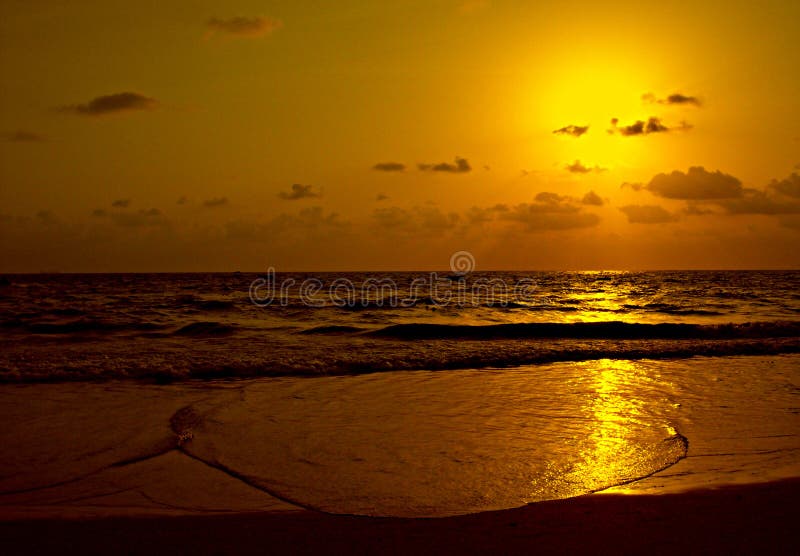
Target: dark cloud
(754,201)
(182,200)
(381,197)
(695,209)
(550,211)
(215,202)
(789,186)
(21,136)
(461,166)
(632,185)
(139,219)
(641,127)
(46,217)
(416,221)
(696,184)
(299,191)
(112,104)
(256,26)
(578,168)
(592,199)
(312,220)
(573,130)
(389,167)
(675,98)
(121,203)
(99,213)
(647,214)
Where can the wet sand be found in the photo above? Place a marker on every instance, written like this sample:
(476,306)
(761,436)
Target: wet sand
(743,519)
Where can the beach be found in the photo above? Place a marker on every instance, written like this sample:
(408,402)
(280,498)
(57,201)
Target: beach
(750,519)
(162,420)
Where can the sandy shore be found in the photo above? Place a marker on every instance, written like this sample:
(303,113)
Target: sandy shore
(747,519)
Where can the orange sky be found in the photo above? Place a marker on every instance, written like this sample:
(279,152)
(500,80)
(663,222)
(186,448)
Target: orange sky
(368,135)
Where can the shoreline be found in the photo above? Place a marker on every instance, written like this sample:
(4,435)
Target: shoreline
(730,519)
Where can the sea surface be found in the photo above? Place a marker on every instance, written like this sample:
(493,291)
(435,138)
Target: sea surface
(408,394)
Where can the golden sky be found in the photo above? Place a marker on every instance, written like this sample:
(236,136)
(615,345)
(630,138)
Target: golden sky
(195,135)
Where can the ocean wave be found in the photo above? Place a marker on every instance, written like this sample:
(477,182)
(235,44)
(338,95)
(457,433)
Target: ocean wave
(332,329)
(607,330)
(205,328)
(82,326)
(235,361)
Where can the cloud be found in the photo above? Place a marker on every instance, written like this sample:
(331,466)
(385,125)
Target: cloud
(182,200)
(696,184)
(47,217)
(250,27)
(461,166)
(592,199)
(381,197)
(550,211)
(647,214)
(573,130)
(789,186)
(675,98)
(99,213)
(632,185)
(112,104)
(641,127)
(21,136)
(389,167)
(312,220)
(140,219)
(415,221)
(754,201)
(215,202)
(299,191)
(578,168)
(121,203)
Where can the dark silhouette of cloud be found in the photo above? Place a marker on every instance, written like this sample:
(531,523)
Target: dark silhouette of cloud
(139,219)
(21,136)
(415,221)
(647,214)
(299,191)
(632,185)
(592,199)
(550,211)
(675,98)
(573,130)
(389,167)
(311,220)
(99,213)
(578,168)
(252,27)
(641,127)
(461,166)
(47,217)
(182,200)
(381,197)
(789,186)
(112,104)
(696,184)
(121,203)
(754,201)
(215,202)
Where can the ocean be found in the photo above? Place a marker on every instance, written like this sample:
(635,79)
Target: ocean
(402,394)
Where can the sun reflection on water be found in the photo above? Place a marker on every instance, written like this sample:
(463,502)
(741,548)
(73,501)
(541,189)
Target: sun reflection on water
(621,441)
